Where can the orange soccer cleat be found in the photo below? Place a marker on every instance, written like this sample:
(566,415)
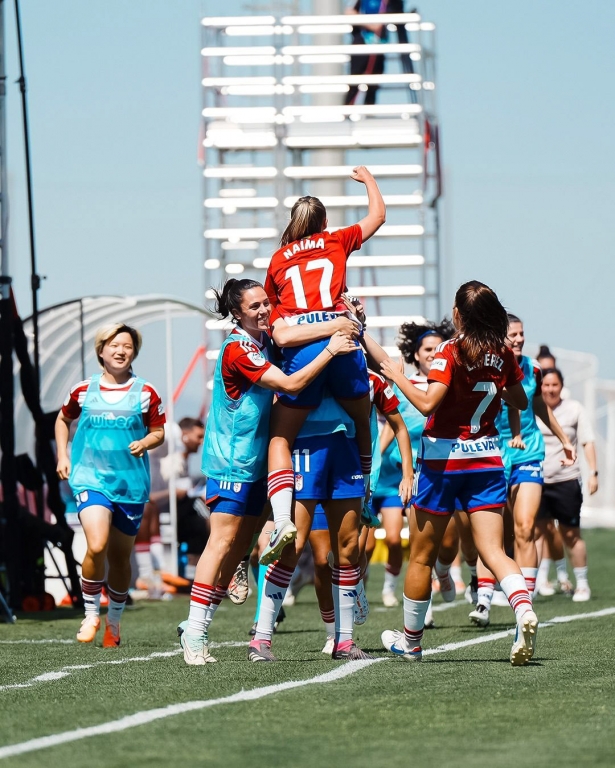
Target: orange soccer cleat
(111,637)
(89,627)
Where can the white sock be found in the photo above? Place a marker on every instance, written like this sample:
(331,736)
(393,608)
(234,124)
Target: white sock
(529,574)
(280,487)
(345,580)
(144,561)
(157,550)
(562,570)
(390,581)
(486,588)
(219,595)
(330,628)
(91,591)
(277,580)
(513,586)
(117,603)
(200,600)
(414,620)
(580,575)
(543,570)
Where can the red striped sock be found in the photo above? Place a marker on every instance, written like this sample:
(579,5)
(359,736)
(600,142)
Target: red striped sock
(91,591)
(280,486)
(366,465)
(277,579)
(515,590)
(200,601)
(345,580)
(117,603)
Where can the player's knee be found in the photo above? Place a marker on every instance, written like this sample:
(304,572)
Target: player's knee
(524,531)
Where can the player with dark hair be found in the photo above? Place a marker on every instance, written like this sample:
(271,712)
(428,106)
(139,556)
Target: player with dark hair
(235,449)
(460,462)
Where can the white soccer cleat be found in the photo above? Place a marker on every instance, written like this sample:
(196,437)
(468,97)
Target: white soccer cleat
(329,645)
(448,590)
(395,642)
(279,539)
(196,650)
(581,595)
(525,640)
(389,600)
(361,606)
(238,588)
(565,587)
(480,616)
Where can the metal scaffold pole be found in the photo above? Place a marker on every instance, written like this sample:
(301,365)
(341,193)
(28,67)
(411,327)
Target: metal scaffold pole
(9,531)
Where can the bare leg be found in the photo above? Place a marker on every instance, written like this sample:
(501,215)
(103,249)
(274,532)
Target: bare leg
(96,523)
(525,499)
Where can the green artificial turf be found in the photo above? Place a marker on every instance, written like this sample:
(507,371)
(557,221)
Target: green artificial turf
(466,707)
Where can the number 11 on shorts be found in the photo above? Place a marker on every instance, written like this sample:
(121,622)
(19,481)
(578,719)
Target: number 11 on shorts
(297,454)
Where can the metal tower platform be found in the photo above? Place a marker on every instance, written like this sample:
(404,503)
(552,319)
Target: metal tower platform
(276,126)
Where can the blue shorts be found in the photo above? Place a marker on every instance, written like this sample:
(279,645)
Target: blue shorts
(386,502)
(239,499)
(320,522)
(530,472)
(441,493)
(345,376)
(327,467)
(125,517)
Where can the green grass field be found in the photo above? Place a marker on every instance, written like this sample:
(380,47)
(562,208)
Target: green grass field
(461,707)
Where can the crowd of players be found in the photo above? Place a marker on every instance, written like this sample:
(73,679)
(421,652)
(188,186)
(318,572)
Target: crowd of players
(314,427)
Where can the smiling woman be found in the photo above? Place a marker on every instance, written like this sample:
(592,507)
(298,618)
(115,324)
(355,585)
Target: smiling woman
(235,449)
(121,417)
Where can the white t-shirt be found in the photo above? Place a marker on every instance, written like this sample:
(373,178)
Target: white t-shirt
(573,420)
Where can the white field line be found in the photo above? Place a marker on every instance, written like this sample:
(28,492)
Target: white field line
(47,677)
(151,715)
(36,642)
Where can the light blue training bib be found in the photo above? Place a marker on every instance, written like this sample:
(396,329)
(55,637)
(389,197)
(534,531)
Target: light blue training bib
(237,434)
(100,457)
(530,431)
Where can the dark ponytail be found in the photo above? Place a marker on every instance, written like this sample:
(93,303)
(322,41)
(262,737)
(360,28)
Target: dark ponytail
(228,300)
(484,322)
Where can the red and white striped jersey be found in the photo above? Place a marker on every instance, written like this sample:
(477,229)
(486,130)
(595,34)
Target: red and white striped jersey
(381,394)
(151,402)
(243,363)
(461,435)
(310,274)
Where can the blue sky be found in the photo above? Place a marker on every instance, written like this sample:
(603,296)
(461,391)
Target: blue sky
(525,95)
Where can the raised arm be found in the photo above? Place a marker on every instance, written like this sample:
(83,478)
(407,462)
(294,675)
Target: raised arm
(376,209)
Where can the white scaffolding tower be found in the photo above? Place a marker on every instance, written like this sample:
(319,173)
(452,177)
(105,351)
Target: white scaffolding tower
(276,126)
